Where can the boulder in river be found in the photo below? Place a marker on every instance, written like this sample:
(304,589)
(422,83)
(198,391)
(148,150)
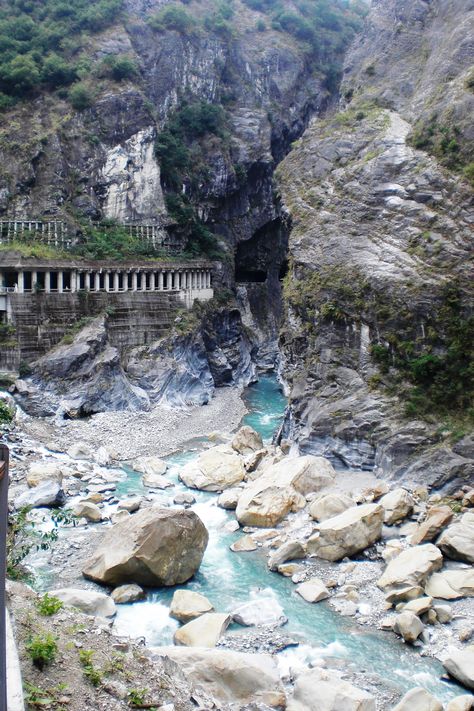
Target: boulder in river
(153,547)
(461,703)
(459,663)
(457,541)
(263,610)
(418,699)
(231,677)
(87,510)
(128,593)
(398,504)
(204,631)
(281,488)
(348,533)
(156,481)
(149,465)
(291,550)
(229,499)
(88,601)
(186,605)
(320,691)
(406,574)
(48,494)
(451,584)
(215,469)
(247,441)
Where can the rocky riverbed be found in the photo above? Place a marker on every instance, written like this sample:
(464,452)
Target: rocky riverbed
(316,614)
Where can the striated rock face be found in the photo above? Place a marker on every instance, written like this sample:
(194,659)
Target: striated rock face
(155,547)
(380,251)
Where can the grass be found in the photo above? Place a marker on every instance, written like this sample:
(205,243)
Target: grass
(90,671)
(42,649)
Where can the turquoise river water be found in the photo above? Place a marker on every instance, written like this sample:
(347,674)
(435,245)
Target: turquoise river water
(228,579)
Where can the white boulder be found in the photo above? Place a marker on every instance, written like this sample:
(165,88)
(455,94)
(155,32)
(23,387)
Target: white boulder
(88,601)
(398,504)
(313,590)
(187,605)
(348,533)
(204,631)
(215,469)
(418,699)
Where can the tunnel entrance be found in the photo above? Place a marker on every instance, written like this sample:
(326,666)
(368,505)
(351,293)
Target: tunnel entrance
(250,276)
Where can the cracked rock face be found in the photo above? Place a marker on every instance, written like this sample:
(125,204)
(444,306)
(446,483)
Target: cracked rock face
(379,229)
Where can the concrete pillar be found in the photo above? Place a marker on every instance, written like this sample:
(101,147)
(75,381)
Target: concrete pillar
(134,281)
(47,282)
(125,281)
(21,282)
(60,282)
(116,281)
(97,281)
(34,279)
(87,281)
(74,281)
(142,281)
(152,281)
(160,281)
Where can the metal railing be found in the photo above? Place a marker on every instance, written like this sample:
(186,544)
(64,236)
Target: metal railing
(4,460)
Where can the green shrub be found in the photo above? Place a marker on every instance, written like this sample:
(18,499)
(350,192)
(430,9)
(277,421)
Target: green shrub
(172,17)
(468,173)
(260,26)
(57,71)
(42,649)
(114,242)
(6,412)
(49,605)
(90,671)
(81,96)
(119,67)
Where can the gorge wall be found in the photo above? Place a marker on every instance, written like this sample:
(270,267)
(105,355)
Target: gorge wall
(379,300)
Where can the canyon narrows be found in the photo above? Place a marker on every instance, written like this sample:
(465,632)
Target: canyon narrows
(236,353)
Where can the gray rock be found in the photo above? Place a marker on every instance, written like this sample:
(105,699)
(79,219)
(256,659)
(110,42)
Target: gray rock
(47,494)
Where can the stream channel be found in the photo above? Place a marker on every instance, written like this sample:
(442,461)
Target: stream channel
(230,579)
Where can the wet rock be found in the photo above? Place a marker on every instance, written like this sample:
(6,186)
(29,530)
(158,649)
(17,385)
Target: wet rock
(348,533)
(292,550)
(460,665)
(127,593)
(418,700)
(156,481)
(409,626)
(318,691)
(80,450)
(48,494)
(247,441)
(266,501)
(215,469)
(204,631)
(261,611)
(131,505)
(231,677)
(451,584)
(434,523)
(184,499)
(398,504)
(406,574)
(154,547)
(457,541)
(88,601)
(87,510)
(229,498)
(329,505)
(313,590)
(187,605)
(150,466)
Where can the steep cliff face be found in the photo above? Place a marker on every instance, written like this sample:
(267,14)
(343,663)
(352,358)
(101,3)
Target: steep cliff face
(379,299)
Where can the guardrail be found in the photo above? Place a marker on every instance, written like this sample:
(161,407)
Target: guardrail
(7,289)
(4,461)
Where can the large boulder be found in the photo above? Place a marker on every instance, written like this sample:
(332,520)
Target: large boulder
(156,481)
(155,546)
(461,703)
(204,631)
(406,574)
(215,469)
(281,488)
(329,505)
(398,504)
(48,494)
(291,550)
(186,605)
(88,601)
(247,441)
(38,472)
(451,584)
(457,541)
(319,691)
(418,699)
(432,526)
(460,665)
(348,533)
(231,677)
(263,610)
